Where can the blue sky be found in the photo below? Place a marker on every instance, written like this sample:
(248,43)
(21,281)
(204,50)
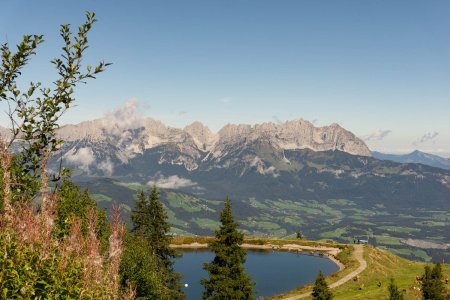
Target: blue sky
(381,69)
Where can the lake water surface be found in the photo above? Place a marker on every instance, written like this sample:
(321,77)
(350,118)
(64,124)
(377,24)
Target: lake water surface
(274,272)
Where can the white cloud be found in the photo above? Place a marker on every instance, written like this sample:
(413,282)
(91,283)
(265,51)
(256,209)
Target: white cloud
(106,166)
(260,168)
(171,182)
(426,137)
(376,135)
(270,171)
(256,161)
(128,116)
(82,157)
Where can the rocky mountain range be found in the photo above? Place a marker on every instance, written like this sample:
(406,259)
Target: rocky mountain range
(108,144)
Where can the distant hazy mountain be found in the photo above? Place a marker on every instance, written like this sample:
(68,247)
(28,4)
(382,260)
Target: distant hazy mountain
(416,157)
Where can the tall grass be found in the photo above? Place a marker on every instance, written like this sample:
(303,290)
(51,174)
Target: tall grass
(35,263)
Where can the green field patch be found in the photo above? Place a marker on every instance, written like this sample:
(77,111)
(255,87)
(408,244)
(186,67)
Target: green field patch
(101,198)
(250,222)
(337,233)
(206,223)
(399,229)
(388,240)
(266,225)
(258,204)
(280,232)
(264,217)
(441,217)
(340,202)
(132,186)
(409,252)
(361,212)
(404,216)
(330,211)
(213,202)
(293,220)
(173,220)
(310,207)
(287,205)
(357,217)
(431,223)
(186,202)
(365,223)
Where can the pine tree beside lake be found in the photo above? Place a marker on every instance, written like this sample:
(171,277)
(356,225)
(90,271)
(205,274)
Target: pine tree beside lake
(150,221)
(321,290)
(227,277)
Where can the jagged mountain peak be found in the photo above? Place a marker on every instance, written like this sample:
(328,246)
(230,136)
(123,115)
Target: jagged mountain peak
(297,134)
(202,135)
(195,144)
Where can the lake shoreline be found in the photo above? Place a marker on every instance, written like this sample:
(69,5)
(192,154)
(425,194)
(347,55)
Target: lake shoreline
(329,252)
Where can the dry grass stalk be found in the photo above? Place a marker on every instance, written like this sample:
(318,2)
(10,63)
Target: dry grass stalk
(35,230)
(115,247)
(6,164)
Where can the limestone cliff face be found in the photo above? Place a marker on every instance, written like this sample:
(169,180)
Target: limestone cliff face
(203,137)
(120,141)
(298,134)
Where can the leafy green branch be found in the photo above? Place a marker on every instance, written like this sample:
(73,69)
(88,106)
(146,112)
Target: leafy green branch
(34,113)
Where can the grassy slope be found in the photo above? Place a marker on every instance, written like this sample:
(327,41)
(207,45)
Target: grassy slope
(381,266)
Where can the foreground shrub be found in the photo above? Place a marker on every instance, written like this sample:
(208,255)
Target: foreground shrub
(34,263)
(139,268)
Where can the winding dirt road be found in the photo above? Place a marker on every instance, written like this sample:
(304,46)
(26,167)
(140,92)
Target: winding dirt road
(358,255)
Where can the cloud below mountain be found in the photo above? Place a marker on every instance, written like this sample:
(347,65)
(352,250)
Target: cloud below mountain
(171,182)
(260,167)
(106,166)
(82,157)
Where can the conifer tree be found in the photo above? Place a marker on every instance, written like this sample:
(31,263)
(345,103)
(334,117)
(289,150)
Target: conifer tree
(321,290)
(394,293)
(159,229)
(139,216)
(150,222)
(227,278)
(432,285)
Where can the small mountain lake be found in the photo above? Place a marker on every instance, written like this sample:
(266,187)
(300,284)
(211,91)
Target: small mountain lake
(274,272)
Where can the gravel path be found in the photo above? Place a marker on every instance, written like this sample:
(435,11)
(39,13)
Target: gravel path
(358,255)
